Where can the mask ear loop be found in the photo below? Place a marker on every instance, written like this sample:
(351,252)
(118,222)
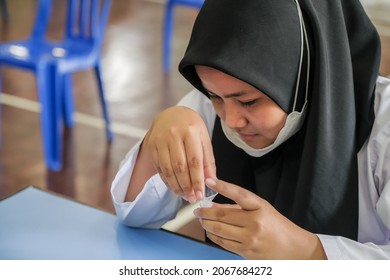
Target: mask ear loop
(304,40)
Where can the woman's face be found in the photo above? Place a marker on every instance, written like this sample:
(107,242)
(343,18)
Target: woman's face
(255,116)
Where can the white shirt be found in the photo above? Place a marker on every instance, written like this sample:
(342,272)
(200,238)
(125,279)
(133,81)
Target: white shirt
(156,205)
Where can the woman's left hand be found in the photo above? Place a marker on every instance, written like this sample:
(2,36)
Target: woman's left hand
(254,229)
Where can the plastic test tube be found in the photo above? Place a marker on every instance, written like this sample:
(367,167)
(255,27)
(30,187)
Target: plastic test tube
(207,201)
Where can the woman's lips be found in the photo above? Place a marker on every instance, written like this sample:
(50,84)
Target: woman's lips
(247,137)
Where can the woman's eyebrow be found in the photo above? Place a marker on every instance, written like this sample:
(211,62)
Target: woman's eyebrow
(229,95)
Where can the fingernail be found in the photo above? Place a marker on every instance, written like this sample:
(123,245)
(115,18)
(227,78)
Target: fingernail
(199,195)
(196,212)
(191,199)
(210,182)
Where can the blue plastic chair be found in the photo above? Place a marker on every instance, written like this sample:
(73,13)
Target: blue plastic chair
(169,27)
(54,62)
(4,11)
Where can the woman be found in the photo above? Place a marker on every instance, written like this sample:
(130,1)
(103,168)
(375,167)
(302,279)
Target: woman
(299,124)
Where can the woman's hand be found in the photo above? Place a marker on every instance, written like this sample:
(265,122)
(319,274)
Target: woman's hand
(179,146)
(254,229)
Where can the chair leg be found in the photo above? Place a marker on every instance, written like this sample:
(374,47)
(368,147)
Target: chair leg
(66,86)
(1,123)
(1,113)
(4,11)
(167,36)
(50,116)
(98,74)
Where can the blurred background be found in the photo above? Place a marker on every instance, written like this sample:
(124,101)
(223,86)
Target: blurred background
(136,89)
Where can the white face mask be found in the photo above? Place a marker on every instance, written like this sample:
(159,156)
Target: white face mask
(294,120)
(293,123)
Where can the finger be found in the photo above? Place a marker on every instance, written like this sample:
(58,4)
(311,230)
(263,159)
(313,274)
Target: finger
(230,245)
(225,231)
(228,215)
(194,155)
(210,170)
(180,168)
(232,206)
(166,170)
(155,162)
(154,159)
(246,199)
(162,175)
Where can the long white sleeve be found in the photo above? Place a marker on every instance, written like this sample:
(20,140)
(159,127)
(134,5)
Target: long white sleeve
(374,191)
(341,248)
(154,206)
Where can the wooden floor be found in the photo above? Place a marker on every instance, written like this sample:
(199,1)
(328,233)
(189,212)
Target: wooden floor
(136,90)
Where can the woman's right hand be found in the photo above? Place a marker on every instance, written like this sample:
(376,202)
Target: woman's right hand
(180,148)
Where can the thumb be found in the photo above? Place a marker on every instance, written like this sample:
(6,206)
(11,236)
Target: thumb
(246,199)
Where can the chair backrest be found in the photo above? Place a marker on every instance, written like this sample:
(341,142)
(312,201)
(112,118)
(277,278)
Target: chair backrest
(87,19)
(42,19)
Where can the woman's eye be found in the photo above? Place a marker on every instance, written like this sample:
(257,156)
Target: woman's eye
(248,103)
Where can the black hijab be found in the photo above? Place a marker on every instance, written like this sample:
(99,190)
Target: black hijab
(312,178)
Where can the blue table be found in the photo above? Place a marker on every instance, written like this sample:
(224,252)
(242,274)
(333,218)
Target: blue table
(35,224)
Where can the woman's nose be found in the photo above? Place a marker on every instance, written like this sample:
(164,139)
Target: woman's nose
(234,118)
